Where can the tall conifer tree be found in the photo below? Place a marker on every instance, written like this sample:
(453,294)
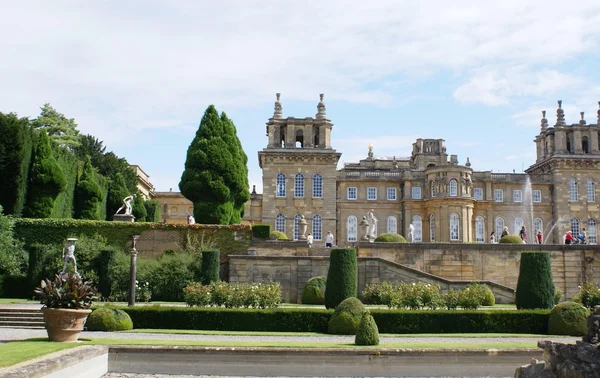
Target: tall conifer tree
(88,194)
(215,178)
(59,128)
(15,156)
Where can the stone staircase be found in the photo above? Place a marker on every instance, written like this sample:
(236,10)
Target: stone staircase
(21,318)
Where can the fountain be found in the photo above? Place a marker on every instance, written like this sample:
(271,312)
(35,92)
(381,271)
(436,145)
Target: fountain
(528,201)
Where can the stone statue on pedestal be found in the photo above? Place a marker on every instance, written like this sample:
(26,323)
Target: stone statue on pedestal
(127,205)
(411,232)
(372,224)
(69,255)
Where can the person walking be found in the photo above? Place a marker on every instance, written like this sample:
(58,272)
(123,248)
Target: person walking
(329,240)
(504,232)
(493,237)
(523,235)
(309,240)
(539,237)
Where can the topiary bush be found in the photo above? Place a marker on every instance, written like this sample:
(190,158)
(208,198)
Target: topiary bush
(485,294)
(390,238)
(211,264)
(367,332)
(314,291)
(511,239)
(261,231)
(342,279)
(568,318)
(108,319)
(535,288)
(346,317)
(277,235)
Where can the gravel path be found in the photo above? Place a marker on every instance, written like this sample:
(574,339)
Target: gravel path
(7,334)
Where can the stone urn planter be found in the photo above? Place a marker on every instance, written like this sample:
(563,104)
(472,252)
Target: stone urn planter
(63,324)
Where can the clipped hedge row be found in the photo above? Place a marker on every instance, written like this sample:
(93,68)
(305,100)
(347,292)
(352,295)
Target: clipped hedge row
(316,320)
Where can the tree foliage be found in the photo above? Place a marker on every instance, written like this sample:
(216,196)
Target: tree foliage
(152,210)
(13,259)
(59,128)
(215,178)
(535,288)
(342,278)
(15,155)
(117,191)
(138,210)
(88,194)
(46,180)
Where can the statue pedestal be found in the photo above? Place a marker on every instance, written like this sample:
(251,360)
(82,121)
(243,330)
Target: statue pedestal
(123,218)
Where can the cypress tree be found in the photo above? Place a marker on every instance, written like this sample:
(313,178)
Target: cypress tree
(15,156)
(214,178)
(535,288)
(342,278)
(211,264)
(117,191)
(152,210)
(88,194)
(138,210)
(46,180)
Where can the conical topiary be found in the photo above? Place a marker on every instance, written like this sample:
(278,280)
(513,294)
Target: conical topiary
(535,288)
(342,277)
(367,332)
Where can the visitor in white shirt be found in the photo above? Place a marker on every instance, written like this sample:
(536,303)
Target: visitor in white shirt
(329,240)
(309,240)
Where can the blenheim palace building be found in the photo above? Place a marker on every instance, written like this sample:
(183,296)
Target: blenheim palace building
(445,201)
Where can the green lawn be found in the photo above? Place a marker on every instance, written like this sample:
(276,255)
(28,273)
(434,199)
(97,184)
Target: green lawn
(16,300)
(18,351)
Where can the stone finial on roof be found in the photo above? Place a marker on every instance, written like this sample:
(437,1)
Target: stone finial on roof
(278,109)
(321,108)
(560,115)
(370,154)
(582,120)
(544,123)
(468,163)
(598,113)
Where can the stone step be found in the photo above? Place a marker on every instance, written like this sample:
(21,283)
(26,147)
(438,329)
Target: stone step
(21,324)
(21,318)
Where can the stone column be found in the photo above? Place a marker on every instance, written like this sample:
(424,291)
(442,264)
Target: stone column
(577,142)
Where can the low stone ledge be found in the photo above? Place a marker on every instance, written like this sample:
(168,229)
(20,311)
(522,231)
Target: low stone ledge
(53,362)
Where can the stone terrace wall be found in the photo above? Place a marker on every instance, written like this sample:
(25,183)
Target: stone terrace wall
(292,264)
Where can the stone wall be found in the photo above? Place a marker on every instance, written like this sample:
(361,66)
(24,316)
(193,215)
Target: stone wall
(448,265)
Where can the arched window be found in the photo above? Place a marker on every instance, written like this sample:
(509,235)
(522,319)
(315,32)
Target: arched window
(299,185)
(573,190)
(297,227)
(418,225)
(585,145)
(317,186)
(592,232)
(280,223)
(518,225)
(479,230)
(432,189)
(316,136)
(453,188)
(300,139)
(431,228)
(590,189)
(282,135)
(317,227)
(454,227)
(538,226)
(392,224)
(575,227)
(499,223)
(352,228)
(280,185)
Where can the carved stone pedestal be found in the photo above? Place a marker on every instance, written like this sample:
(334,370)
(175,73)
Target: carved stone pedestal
(123,218)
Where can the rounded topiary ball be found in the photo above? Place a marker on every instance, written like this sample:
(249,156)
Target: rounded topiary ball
(511,239)
(568,318)
(367,332)
(278,235)
(314,291)
(390,238)
(108,319)
(346,317)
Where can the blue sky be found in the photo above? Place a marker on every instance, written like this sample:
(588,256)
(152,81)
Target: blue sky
(139,74)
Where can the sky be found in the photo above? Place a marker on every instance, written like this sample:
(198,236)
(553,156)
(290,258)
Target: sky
(138,75)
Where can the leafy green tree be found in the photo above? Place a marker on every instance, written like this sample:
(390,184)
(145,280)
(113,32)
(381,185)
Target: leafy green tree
(214,178)
(152,210)
(15,156)
(59,128)
(88,194)
(90,146)
(13,258)
(117,191)
(46,180)
(138,210)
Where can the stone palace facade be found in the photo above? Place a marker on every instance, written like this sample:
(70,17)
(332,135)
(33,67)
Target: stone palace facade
(444,201)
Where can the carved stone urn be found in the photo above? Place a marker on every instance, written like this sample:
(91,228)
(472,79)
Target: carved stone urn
(364,229)
(302,224)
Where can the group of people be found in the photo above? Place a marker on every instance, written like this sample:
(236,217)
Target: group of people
(580,239)
(328,240)
(522,234)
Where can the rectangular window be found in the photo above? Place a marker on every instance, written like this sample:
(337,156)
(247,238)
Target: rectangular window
(498,195)
(517,195)
(478,194)
(371,193)
(537,196)
(416,192)
(351,193)
(391,194)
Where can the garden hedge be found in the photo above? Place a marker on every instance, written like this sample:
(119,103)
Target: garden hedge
(535,288)
(211,263)
(316,320)
(261,231)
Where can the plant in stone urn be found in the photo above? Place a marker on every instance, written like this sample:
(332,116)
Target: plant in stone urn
(66,301)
